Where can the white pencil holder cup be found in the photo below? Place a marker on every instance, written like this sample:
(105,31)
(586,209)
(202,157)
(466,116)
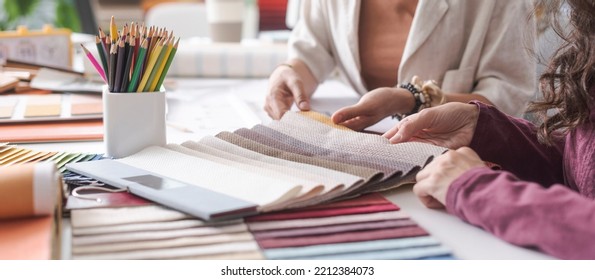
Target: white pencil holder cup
(133,121)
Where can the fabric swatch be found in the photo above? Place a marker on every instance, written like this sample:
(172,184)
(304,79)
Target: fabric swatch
(351,247)
(181,252)
(162,243)
(337,220)
(155,235)
(398,254)
(297,232)
(316,213)
(342,237)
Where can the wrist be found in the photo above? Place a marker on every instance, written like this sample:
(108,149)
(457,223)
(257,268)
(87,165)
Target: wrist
(406,103)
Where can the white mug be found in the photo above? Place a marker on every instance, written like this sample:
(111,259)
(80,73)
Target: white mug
(225,19)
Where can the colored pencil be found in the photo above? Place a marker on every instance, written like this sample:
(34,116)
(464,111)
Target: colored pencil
(158,63)
(126,74)
(113,30)
(120,65)
(167,64)
(112,68)
(101,51)
(95,63)
(147,72)
(160,66)
(137,67)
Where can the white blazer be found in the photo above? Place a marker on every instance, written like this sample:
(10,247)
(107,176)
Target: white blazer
(466,46)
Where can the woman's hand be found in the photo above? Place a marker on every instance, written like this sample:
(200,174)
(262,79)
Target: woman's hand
(451,125)
(434,180)
(285,86)
(373,107)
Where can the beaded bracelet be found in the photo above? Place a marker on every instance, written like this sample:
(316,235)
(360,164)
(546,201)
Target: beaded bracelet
(420,100)
(426,94)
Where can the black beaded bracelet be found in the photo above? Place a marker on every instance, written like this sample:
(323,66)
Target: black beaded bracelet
(417,95)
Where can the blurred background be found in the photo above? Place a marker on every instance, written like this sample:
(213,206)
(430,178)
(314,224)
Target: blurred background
(85,16)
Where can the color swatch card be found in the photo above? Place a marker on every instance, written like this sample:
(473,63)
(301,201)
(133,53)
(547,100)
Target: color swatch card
(17,108)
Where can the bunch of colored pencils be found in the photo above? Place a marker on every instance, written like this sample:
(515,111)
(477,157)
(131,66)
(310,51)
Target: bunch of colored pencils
(135,59)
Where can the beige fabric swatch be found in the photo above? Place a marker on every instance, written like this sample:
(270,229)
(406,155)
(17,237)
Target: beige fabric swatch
(155,235)
(99,217)
(162,243)
(312,172)
(198,150)
(251,255)
(340,182)
(256,188)
(321,174)
(368,174)
(273,138)
(169,253)
(371,176)
(150,226)
(411,154)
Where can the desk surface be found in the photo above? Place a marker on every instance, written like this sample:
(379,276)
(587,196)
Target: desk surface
(226,105)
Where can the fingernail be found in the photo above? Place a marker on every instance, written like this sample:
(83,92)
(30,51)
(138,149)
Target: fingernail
(304,105)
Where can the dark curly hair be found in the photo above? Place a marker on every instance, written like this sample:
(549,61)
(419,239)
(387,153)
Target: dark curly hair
(566,82)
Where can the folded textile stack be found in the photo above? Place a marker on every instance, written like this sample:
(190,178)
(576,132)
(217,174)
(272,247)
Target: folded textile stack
(155,232)
(368,227)
(295,162)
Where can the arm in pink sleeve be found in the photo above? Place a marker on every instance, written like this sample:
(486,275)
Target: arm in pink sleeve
(512,143)
(555,220)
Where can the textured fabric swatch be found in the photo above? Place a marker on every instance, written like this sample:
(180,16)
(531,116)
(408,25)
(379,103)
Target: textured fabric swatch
(322,118)
(312,172)
(398,254)
(368,174)
(98,217)
(351,247)
(408,154)
(355,205)
(260,235)
(272,138)
(337,220)
(249,255)
(149,226)
(367,199)
(316,213)
(168,253)
(155,235)
(249,186)
(162,243)
(319,171)
(393,175)
(342,237)
(308,185)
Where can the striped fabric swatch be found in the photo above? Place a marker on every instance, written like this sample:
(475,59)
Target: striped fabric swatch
(344,230)
(14,155)
(366,227)
(155,232)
